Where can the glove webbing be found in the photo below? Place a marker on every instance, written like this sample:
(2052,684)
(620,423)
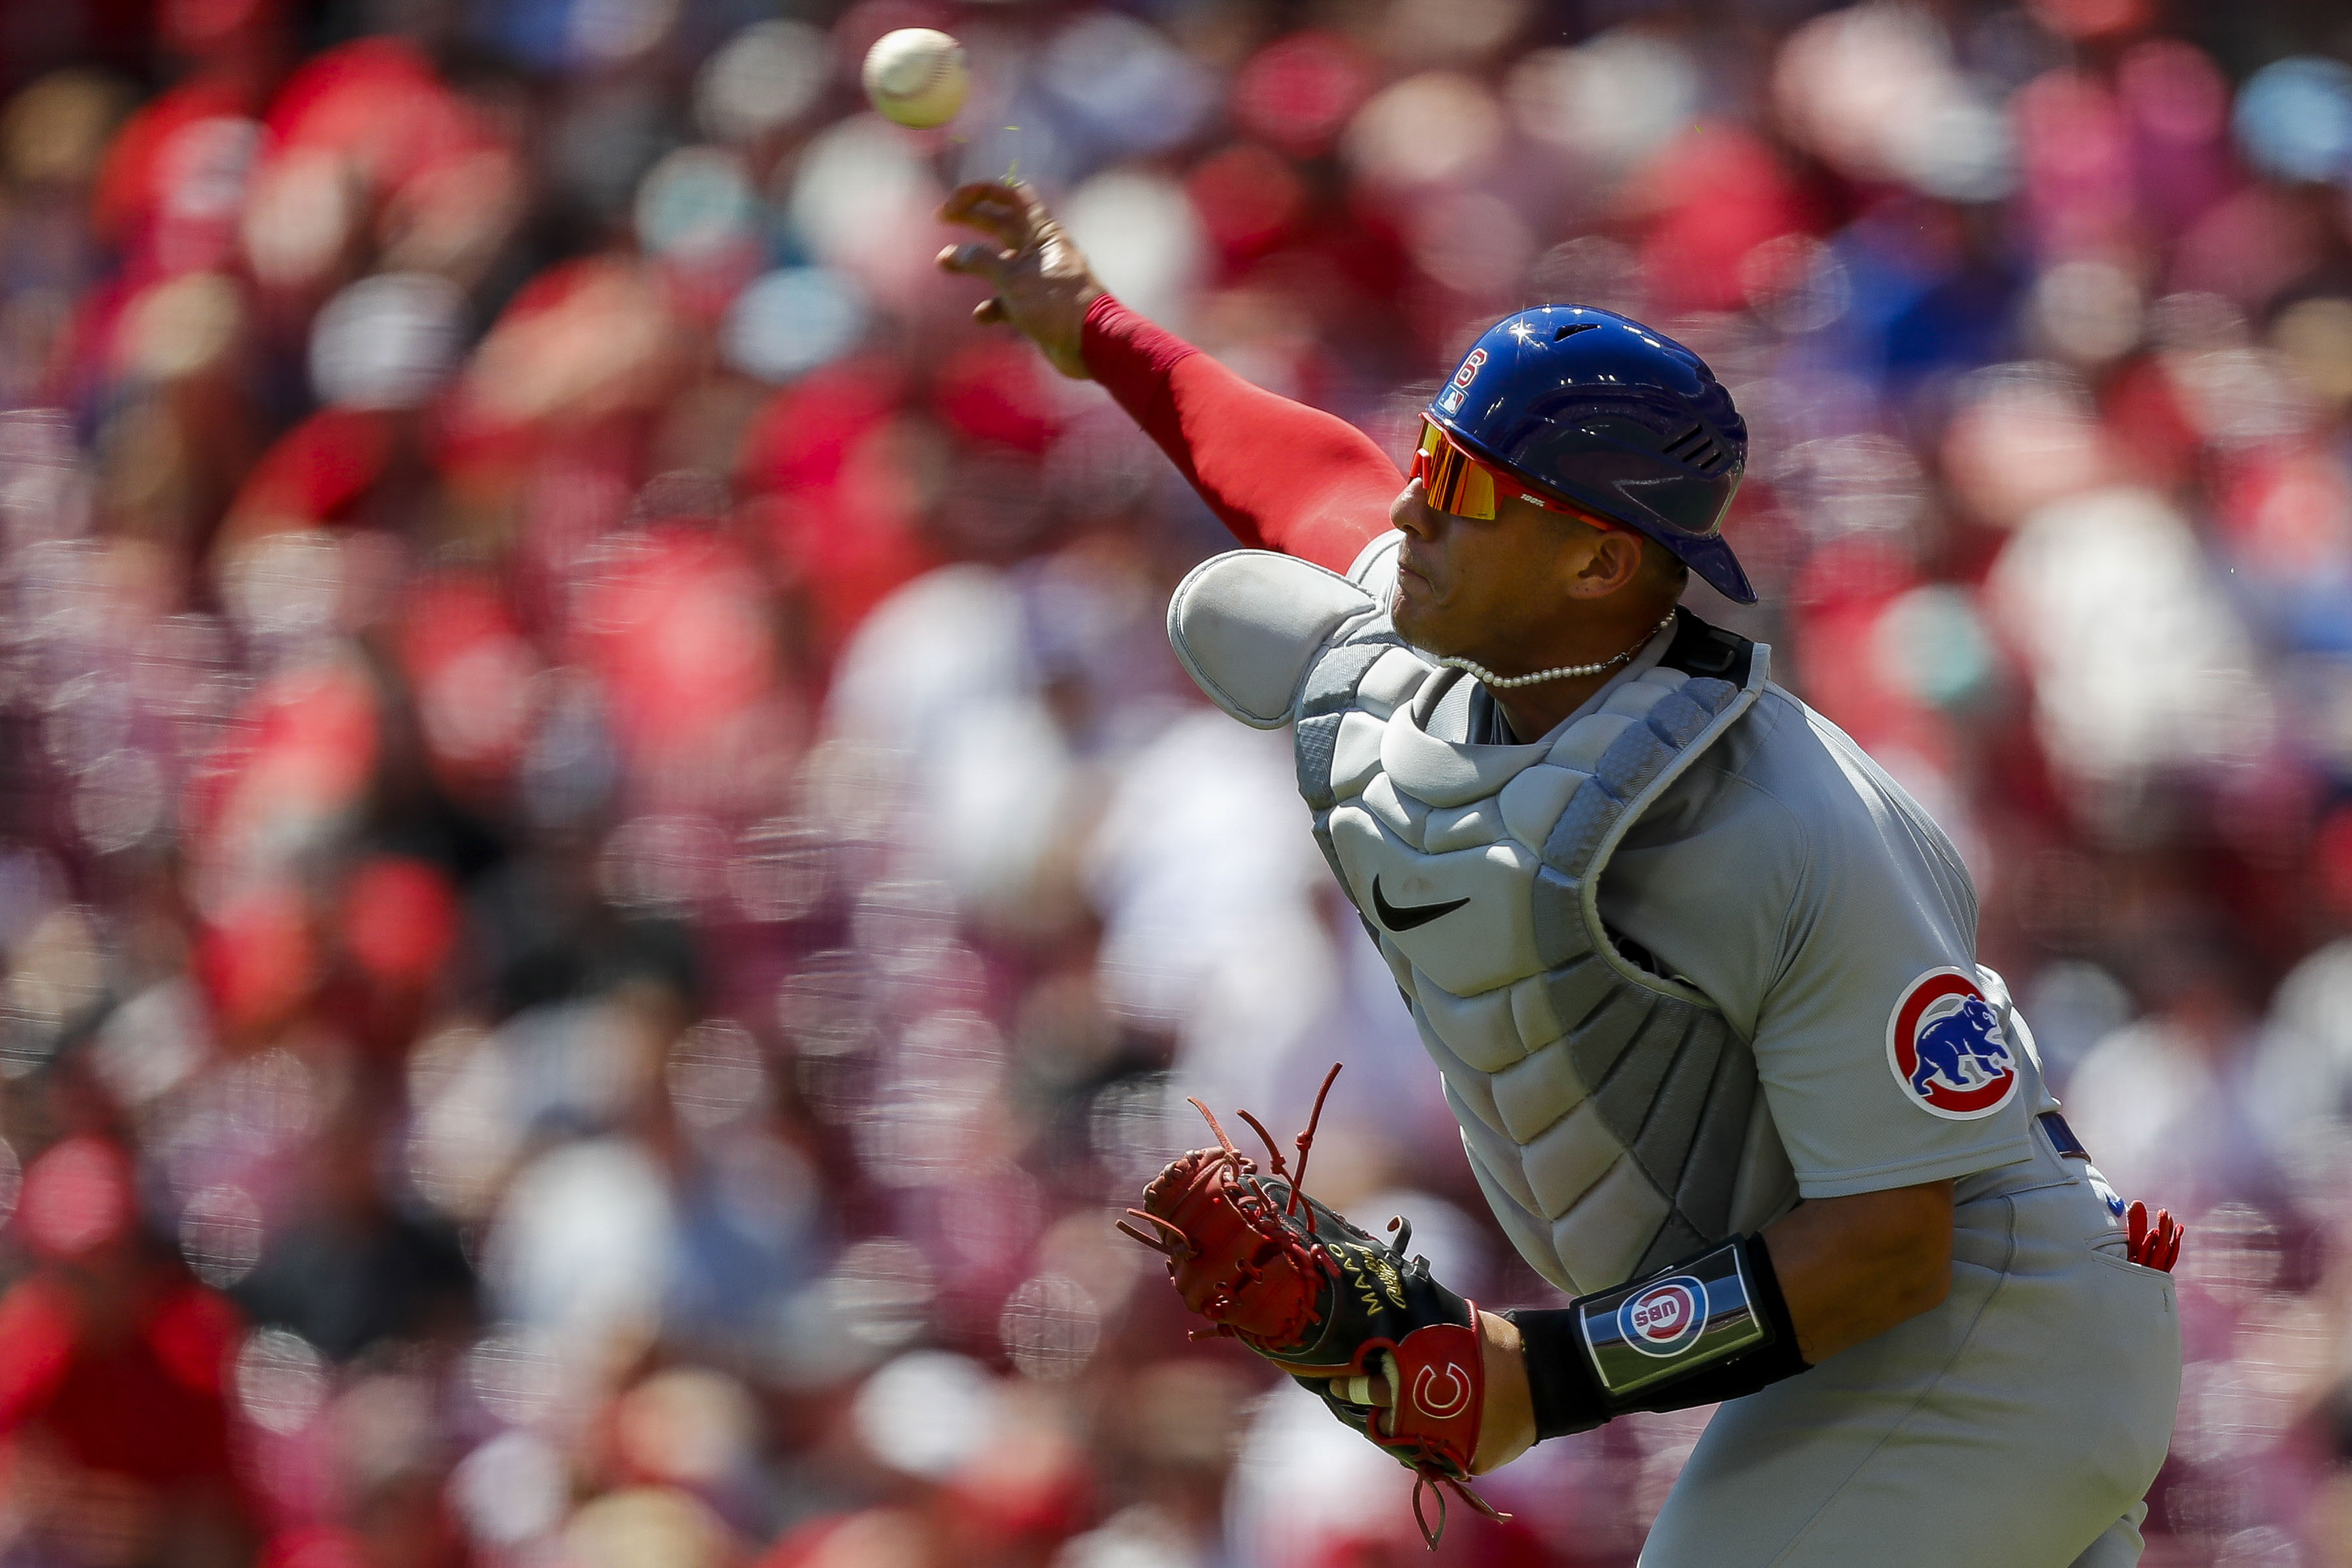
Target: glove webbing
(1306,1254)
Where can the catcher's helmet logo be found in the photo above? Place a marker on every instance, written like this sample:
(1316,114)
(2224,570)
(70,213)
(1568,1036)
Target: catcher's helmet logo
(1945,1048)
(1665,1318)
(1452,401)
(1442,1390)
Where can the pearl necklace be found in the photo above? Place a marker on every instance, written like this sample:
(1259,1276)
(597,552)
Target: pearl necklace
(1564,671)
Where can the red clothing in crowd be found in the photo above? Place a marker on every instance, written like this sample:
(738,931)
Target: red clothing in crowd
(150,1405)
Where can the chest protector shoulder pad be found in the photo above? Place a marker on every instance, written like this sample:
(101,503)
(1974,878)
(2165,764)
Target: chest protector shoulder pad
(1609,1113)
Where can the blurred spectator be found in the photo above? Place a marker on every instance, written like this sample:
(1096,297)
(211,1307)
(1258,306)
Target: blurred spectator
(598,832)
(112,1393)
(347,1269)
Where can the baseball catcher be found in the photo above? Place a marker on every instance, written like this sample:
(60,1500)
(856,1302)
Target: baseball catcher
(1699,978)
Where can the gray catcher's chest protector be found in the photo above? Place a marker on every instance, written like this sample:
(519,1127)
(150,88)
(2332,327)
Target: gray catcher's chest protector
(1611,1115)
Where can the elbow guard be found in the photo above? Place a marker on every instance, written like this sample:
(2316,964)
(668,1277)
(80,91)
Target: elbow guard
(1708,1329)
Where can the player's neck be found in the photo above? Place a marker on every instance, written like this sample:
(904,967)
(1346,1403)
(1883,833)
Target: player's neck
(1535,709)
(1534,712)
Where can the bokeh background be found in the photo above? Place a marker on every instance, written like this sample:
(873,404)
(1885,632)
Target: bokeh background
(606,882)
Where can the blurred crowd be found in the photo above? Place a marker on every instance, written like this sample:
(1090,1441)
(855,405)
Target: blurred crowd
(607,882)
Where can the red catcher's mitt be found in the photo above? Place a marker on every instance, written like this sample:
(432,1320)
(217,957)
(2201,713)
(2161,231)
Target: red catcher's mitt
(1298,1283)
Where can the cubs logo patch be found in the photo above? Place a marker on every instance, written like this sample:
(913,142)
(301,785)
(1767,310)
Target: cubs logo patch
(1665,1317)
(1945,1048)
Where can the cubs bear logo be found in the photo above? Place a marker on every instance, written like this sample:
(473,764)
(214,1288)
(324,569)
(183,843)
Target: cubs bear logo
(1944,1045)
(1665,1318)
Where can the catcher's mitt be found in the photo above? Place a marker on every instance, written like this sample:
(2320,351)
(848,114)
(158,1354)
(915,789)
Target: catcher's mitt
(1300,1285)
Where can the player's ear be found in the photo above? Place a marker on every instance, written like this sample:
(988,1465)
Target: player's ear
(1603,561)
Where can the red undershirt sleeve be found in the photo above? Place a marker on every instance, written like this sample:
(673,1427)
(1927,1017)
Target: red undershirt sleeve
(1281,475)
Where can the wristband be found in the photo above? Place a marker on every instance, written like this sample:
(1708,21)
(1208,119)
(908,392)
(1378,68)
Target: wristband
(1712,1328)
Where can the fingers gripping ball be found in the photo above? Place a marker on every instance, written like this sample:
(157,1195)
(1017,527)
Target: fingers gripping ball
(1298,1283)
(917,76)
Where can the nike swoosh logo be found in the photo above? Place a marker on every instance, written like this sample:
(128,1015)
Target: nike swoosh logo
(1411,915)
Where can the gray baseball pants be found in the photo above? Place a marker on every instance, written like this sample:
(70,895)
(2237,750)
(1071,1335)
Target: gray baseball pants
(2016,1425)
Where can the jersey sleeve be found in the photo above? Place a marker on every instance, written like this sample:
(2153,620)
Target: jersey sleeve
(1884,1061)
(1281,475)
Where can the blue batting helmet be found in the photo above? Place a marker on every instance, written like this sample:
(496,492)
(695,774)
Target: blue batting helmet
(1603,413)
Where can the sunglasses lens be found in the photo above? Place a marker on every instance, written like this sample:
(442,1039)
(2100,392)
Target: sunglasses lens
(1454,481)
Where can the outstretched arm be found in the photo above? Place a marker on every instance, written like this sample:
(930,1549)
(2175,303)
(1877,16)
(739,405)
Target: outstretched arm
(1281,475)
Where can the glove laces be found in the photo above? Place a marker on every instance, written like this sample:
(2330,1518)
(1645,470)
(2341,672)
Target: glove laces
(1251,1199)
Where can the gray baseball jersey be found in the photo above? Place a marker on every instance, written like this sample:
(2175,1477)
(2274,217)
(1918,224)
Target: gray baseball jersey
(1689,957)
(1614,937)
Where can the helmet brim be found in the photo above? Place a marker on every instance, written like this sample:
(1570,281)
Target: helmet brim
(1712,559)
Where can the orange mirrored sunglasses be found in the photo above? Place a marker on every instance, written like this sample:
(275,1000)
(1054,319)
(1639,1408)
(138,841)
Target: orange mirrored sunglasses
(1453,480)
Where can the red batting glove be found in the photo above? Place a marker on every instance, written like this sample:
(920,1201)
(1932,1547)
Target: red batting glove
(2154,1247)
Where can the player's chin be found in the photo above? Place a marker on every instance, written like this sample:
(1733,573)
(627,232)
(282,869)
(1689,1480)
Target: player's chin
(1420,619)
(1409,601)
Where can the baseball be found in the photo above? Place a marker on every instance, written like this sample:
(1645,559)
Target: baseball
(916,76)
